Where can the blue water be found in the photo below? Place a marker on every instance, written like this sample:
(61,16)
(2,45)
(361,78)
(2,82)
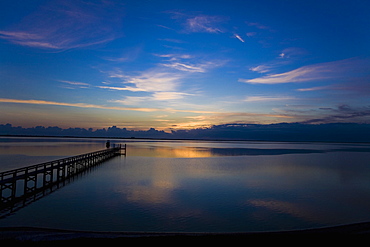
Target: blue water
(198,186)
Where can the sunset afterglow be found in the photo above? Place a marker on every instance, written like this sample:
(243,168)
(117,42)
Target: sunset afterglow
(174,64)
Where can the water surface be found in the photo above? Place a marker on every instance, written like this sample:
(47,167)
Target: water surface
(199,186)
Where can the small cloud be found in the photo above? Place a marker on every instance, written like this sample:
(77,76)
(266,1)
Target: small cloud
(239,38)
(174,57)
(266,98)
(153,80)
(313,89)
(261,68)
(132,100)
(185,67)
(203,23)
(75,83)
(169,95)
(292,52)
(132,89)
(182,62)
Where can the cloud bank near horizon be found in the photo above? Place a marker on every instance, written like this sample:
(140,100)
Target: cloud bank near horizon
(334,132)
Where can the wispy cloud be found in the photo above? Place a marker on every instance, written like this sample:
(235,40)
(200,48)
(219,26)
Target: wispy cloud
(285,57)
(306,73)
(157,83)
(207,121)
(152,80)
(162,83)
(292,52)
(174,41)
(342,113)
(169,95)
(132,89)
(75,83)
(157,96)
(321,71)
(132,100)
(251,34)
(198,23)
(155,80)
(200,67)
(313,88)
(128,55)
(80,105)
(204,23)
(246,117)
(261,68)
(185,67)
(66,24)
(174,57)
(189,63)
(310,114)
(84,105)
(267,98)
(27,39)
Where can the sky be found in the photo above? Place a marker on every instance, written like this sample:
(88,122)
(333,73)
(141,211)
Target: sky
(171,64)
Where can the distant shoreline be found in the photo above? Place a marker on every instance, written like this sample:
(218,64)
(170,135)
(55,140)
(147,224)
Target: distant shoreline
(179,139)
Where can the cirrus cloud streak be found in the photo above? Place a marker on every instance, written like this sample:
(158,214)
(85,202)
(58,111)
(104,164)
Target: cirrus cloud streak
(84,105)
(315,72)
(61,25)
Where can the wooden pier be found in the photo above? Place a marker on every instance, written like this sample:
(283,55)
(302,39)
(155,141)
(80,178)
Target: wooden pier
(28,183)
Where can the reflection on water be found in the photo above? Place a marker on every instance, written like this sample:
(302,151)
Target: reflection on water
(208,186)
(196,149)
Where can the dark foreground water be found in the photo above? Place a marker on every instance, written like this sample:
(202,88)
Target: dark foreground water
(198,186)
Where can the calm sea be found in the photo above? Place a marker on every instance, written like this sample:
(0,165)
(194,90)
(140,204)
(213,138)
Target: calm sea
(198,186)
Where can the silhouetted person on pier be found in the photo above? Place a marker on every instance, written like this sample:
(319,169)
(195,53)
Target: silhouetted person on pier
(107,144)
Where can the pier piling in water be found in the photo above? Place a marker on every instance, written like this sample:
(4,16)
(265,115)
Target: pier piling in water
(27,183)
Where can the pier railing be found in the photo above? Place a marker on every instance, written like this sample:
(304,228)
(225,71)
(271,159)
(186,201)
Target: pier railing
(22,184)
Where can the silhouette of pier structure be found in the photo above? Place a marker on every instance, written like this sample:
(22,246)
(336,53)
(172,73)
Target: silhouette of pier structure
(19,187)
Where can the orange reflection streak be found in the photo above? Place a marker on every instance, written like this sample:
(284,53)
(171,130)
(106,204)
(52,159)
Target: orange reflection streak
(168,152)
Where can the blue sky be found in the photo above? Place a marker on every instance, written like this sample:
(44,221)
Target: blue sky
(183,64)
